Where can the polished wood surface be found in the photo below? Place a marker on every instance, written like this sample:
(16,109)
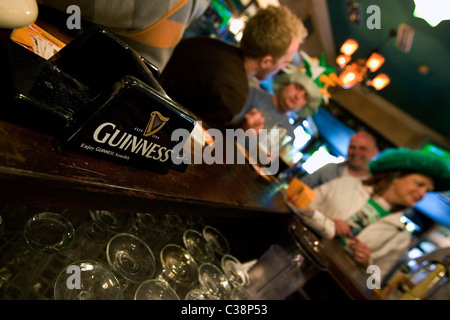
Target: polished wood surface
(348,274)
(36,170)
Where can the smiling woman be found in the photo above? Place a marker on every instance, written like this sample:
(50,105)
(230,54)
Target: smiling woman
(366,215)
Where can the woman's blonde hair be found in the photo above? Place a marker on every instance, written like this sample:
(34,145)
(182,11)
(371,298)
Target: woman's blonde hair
(271,31)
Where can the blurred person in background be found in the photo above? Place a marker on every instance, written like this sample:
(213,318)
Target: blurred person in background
(294,93)
(210,77)
(366,214)
(361,150)
(153,28)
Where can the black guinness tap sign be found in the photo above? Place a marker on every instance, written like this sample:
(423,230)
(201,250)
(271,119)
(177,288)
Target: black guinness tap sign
(96,95)
(132,124)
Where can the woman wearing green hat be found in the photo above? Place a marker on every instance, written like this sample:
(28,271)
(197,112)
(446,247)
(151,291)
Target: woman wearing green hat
(366,214)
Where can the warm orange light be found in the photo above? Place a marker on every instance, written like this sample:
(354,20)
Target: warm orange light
(351,75)
(349,47)
(348,77)
(380,81)
(342,60)
(374,62)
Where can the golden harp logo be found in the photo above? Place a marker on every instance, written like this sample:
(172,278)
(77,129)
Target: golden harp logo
(157,121)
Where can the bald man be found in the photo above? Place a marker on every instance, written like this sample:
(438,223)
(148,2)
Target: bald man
(361,150)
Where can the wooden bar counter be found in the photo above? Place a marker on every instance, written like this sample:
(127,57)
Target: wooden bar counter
(35,170)
(348,274)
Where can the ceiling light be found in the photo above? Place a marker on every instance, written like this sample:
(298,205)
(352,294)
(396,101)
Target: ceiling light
(351,75)
(375,61)
(354,72)
(380,81)
(342,60)
(432,11)
(359,70)
(349,47)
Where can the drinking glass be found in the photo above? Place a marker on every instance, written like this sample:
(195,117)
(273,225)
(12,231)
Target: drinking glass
(175,222)
(130,257)
(152,229)
(87,280)
(241,293)
(180,270)
(154,289)
(115,222)
(144,222)
(216,239)
(234,270)
(94,234)
(24,262)
(213,280)
(199,294)
(91,241)
(198,247)
(49,232)
(175,225)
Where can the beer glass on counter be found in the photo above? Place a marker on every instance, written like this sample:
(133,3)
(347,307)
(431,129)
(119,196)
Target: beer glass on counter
(179,269)
(155,289)
(87,280)
(216,239)
(213,281)
(131,259)
(198,247)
